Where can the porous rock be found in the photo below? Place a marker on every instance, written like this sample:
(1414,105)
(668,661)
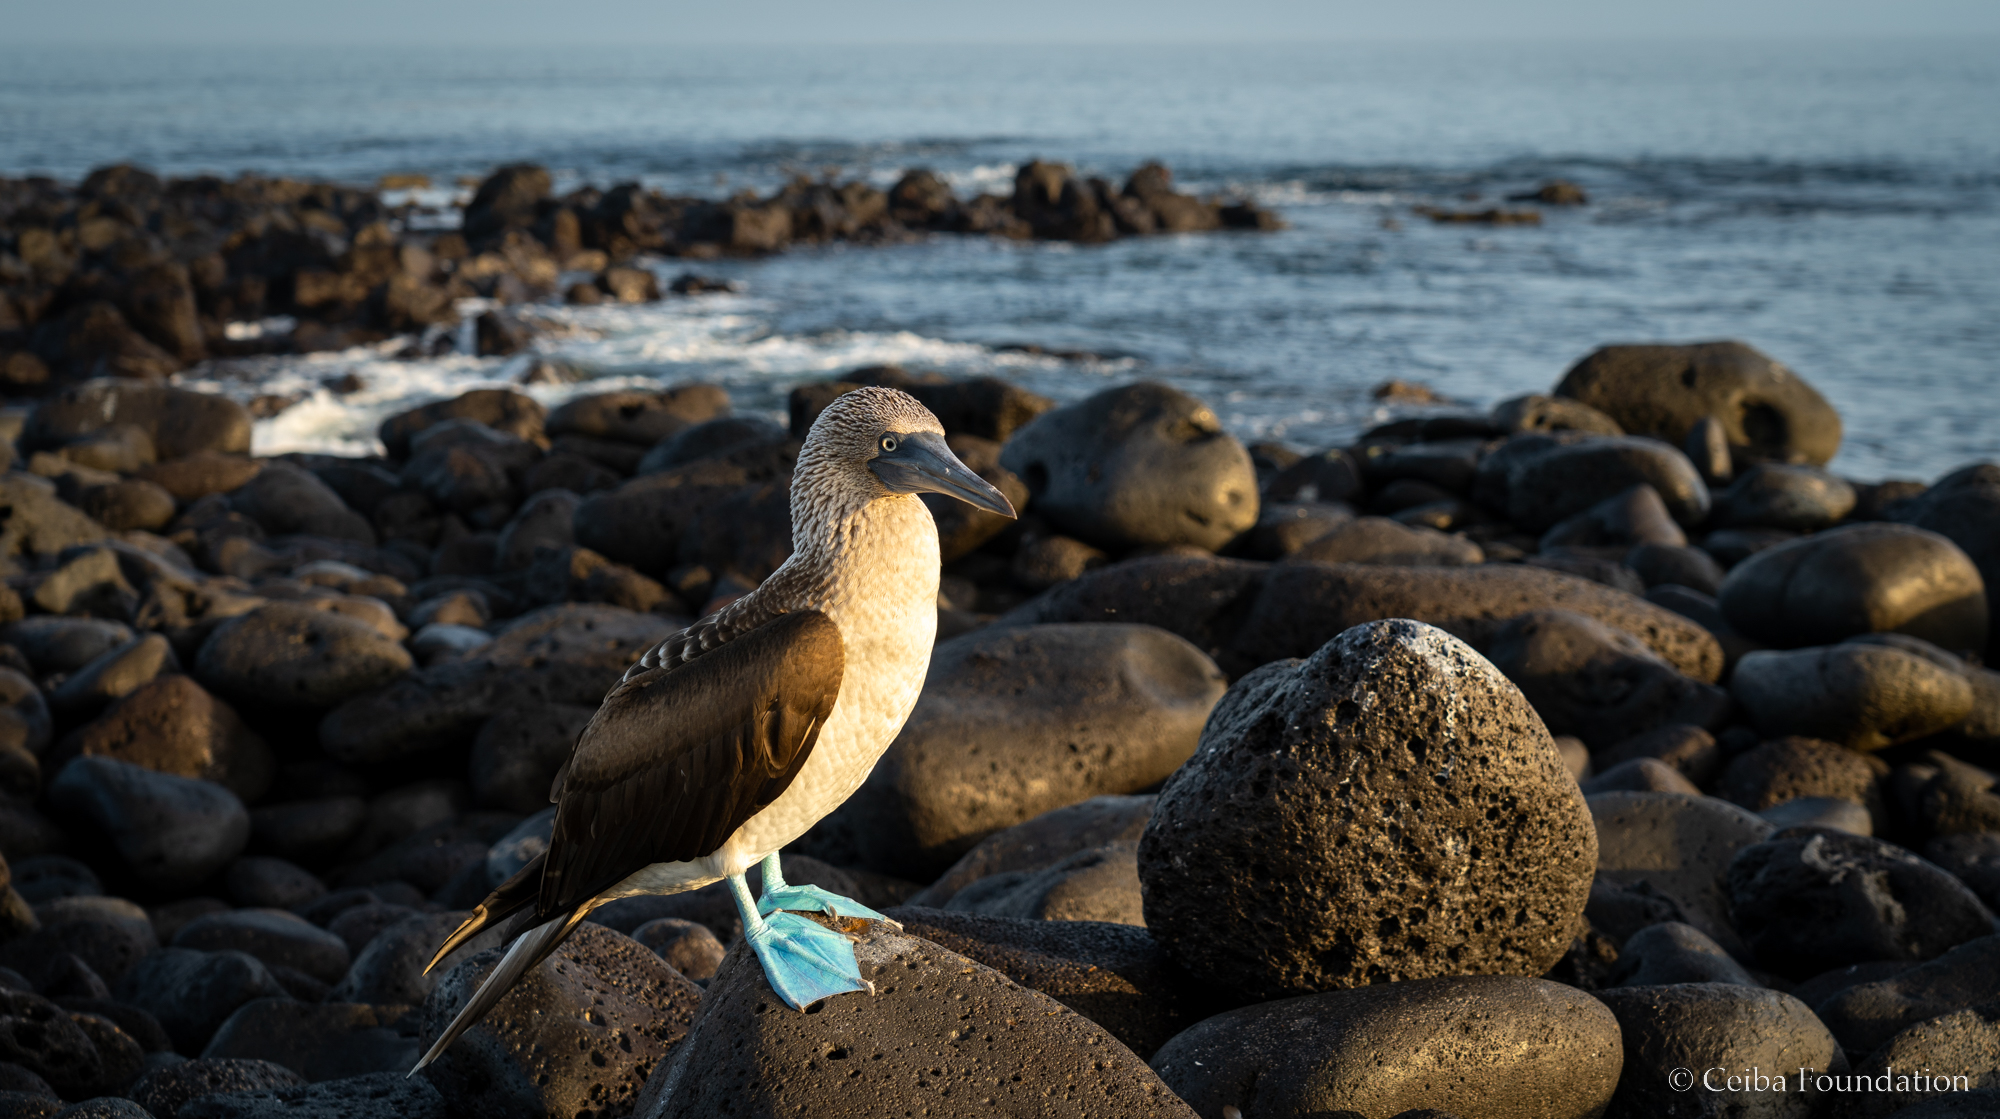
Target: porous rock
(1510,1048)
(1400,725)
(577,1034)
(1864,1016)
(165,1091)
(390,970)
(378,1095)
(41,1037)
(173,725)
(1784,769)
(1137,465)
(643,418)
(1016,721)
(1953,1058)
(1098,884)
(1807,901)
(1043,841)
(941,1032)
(1857,579)
(277,937)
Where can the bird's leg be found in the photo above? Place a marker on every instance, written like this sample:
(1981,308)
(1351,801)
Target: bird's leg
(804,962)
(806,898)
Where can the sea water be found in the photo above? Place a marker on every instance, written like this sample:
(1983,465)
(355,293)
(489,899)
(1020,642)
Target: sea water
(1834,203)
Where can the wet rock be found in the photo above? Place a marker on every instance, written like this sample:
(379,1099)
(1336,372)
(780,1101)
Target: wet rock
(1783,769)
(1302,606)
(380,1095)
(1860,696)
(1864,1016)
(278,938)
(180,422)
(687,946)
(578,1032)
(1043,842)
(1766,412)
(912,1041)
(165,1091)
(287,499)
(171,725)
(289,654)
(1539,481)
(43,1038)
(1249,840)
(170,831)
(1678,1029)
(642,418)
(517,753)
(1866,578)
(1587,679)
(1799,498)
(1677,848)
(1964,507)
(1099,884)
(1015,722)
(1135,466)
(262,882)
(503,410)
(1472,1045)
(1379,540)
(1806,902)
(1675,953)
(330,1041)
(191,993)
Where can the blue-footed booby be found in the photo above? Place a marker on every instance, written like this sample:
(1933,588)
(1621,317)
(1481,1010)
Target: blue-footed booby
(728,740)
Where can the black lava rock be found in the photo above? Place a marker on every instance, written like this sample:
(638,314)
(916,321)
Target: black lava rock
(381,1095)
(1865,1016)
(192,993)
(1865,578)
(1675,1034)
(327,1041)
(278,938)
(165,1091)
(1587,679)
(1766,411)
(171,832)
(1676,847)
(1862,696)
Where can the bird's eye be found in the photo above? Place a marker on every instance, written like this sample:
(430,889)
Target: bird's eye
(889,444)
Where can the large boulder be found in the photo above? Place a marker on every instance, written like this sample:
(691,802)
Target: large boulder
(1135,466)
(1016,721)
(578,1034)
(1482,1045)
(1862,696)
(1696,1049)
(170,832)
(1391,808)
(289,654)
(1865,578)
(941,1033)
(180,422)
(1767,412)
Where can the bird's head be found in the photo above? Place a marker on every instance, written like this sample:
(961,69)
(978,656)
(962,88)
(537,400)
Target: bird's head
(876,442)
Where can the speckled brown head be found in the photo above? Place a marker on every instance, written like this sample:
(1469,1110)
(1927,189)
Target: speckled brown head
(874,443)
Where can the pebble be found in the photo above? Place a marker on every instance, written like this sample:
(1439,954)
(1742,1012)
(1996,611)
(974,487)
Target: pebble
(1133,466)
(941,1033)
(1659,565)
(108,936)
(1600,684)
(642,418)
(582,1031)
(1681,1028)
(260,881)
(171,832)
(502,410)
(1675,847)
(180,422)
(1857,579)
(309,832)
(1868,900)
(1860,696)
(1254,868)
(1016,721)
(114,674)
(1469,1045)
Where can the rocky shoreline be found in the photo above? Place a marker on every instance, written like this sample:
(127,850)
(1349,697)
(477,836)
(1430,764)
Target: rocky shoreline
(130,275)
(1500,763)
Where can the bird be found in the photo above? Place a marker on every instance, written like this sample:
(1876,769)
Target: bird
(728,740)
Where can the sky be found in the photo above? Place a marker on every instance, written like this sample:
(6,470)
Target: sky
(791,22)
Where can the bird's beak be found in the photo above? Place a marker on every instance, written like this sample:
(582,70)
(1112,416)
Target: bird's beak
(923,464)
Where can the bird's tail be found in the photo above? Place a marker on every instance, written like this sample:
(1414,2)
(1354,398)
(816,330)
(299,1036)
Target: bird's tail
(528,949)
(515,894)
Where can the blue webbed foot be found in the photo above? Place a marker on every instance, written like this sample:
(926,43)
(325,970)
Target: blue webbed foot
(805,962)
(812,899)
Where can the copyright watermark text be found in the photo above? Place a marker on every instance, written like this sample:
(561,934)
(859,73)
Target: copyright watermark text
(1755,1079)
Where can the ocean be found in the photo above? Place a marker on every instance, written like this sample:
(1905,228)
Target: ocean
(1834,203)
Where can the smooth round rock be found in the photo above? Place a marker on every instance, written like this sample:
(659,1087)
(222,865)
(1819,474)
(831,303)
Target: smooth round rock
(1133,466)
(1474,1045)
(1548,480)
(1769,495)
(1965,507)
(1766,411)
(324,1041)
(1810,901)
(581,1030)
(379,1095)
(1367,815)
(1863,697)
(941,1033)
(687,946)
(1864,1016)
(1673,952)
(287,654)
(1016,721)
(172,832)
(192,993)
(1675,847)
(1380,540)
(1099,884)
(288,500)
(173,725)
(278,938)
(1677,1033)
(1598,683)
(1866,578)
(1043,842)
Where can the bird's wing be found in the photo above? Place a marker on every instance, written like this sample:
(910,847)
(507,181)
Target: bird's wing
(678,758)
